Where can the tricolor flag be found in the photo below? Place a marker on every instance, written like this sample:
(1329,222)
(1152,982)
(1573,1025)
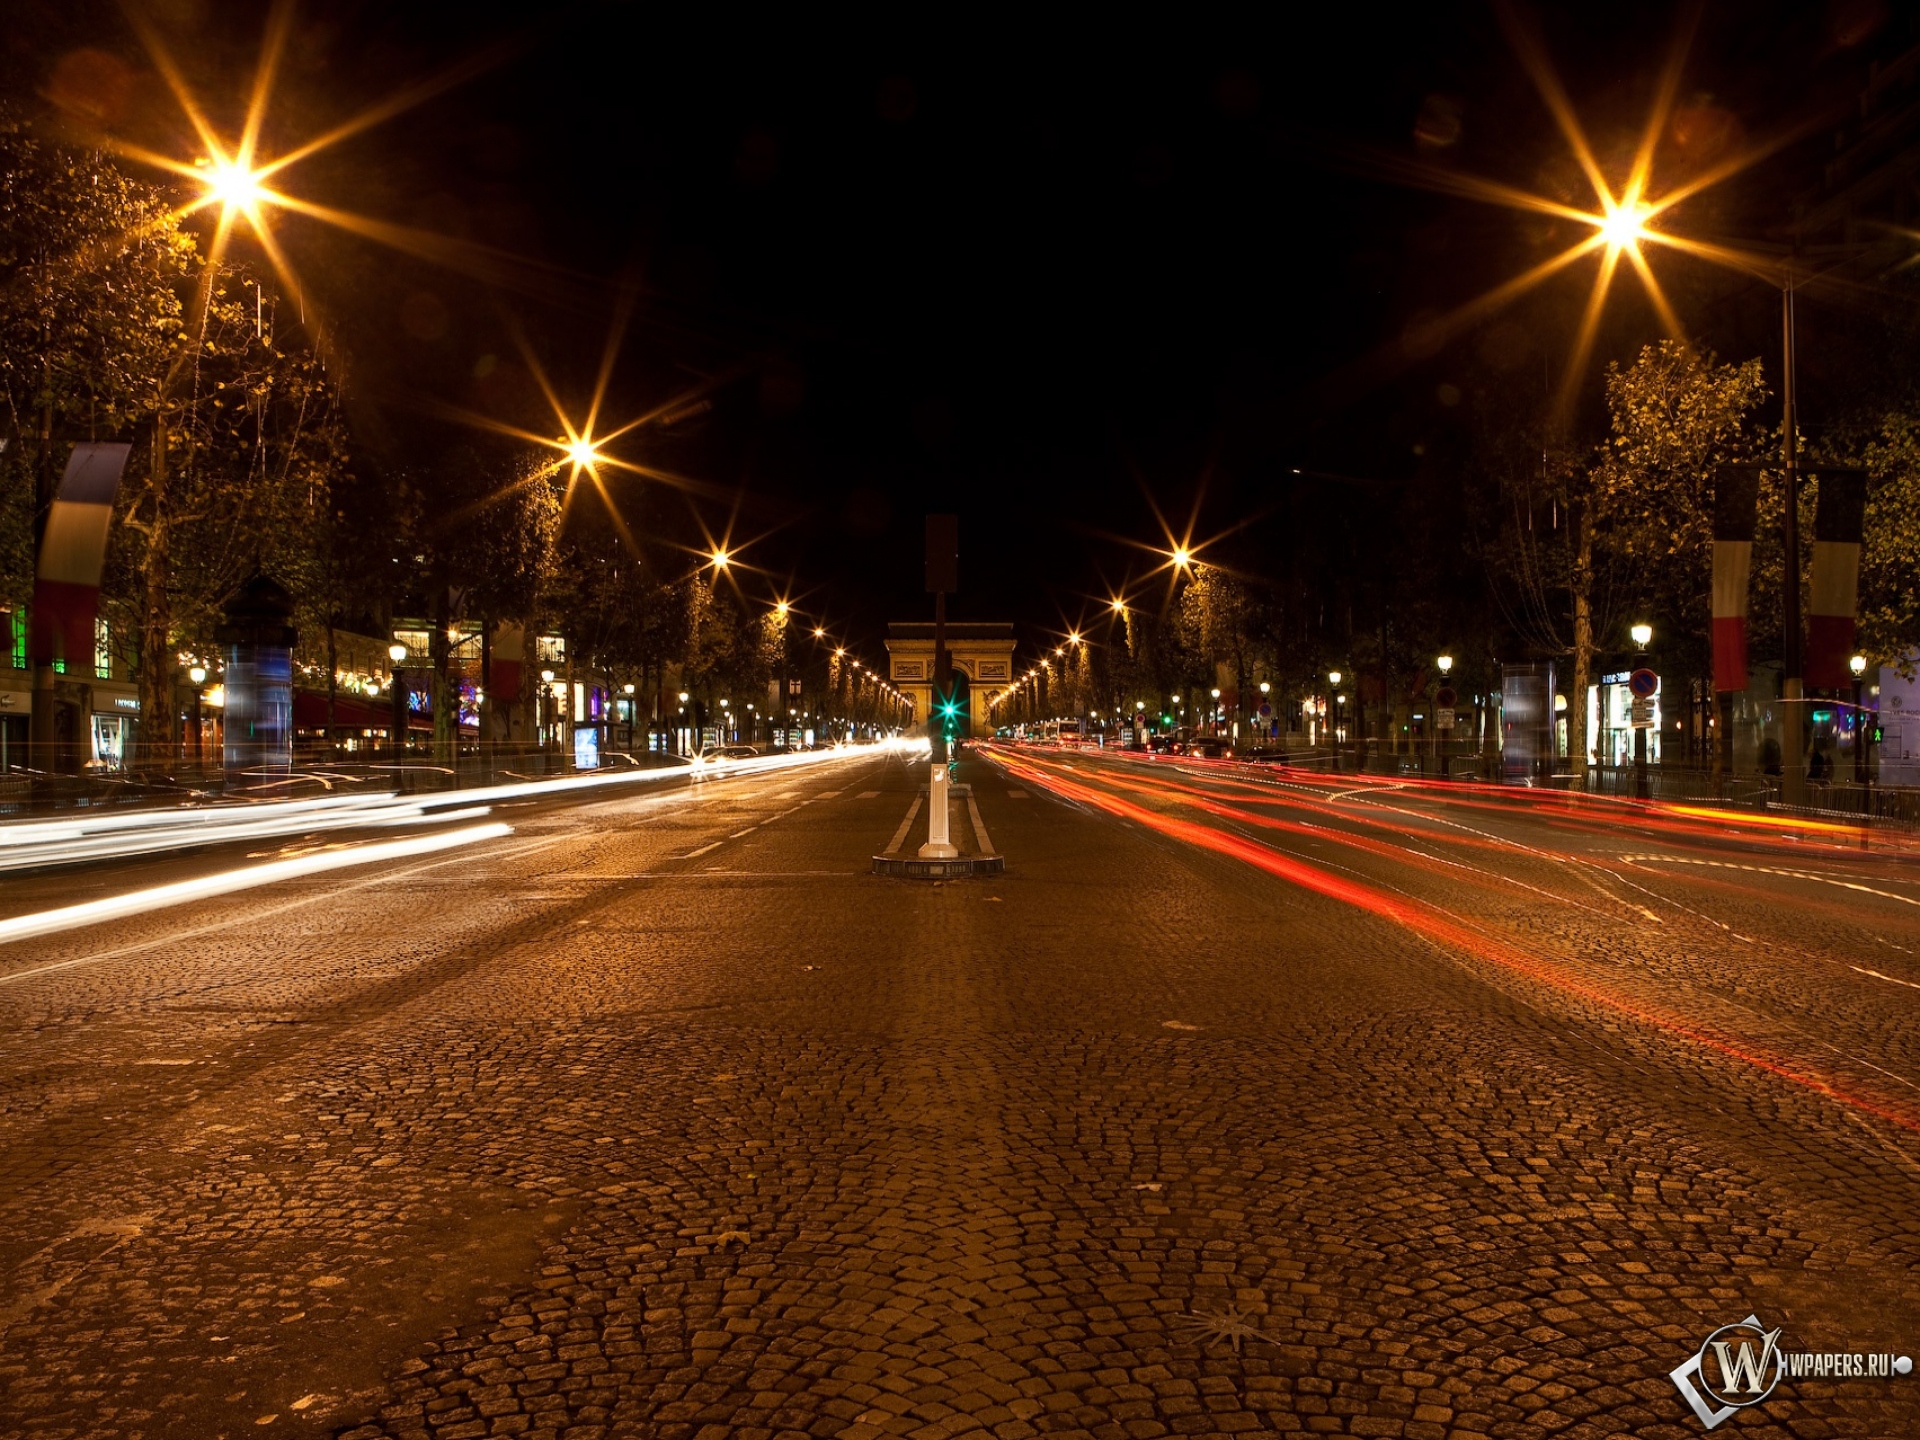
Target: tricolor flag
(73,548)
(508,652)
(1839,521)
(1735,493)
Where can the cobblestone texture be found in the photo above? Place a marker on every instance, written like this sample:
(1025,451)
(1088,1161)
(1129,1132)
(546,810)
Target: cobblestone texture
(583,1137)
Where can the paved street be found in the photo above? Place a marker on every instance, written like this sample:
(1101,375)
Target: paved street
(1243,1101)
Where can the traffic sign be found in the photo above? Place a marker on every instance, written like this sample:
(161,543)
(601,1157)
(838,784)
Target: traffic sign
(1642,718)
(1444,697)
(1644,683)
(1443,717)
(1265,709)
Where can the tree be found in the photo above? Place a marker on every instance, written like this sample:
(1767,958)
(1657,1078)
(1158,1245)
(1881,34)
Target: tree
(1587,534)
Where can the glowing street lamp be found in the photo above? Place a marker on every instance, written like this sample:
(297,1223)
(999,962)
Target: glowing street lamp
(1445,662)
(1642,635)
(718,559)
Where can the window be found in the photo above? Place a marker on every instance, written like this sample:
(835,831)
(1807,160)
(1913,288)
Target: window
(102,649)
(17,638)
(553,647)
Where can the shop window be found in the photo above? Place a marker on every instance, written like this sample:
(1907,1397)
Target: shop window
(102,649)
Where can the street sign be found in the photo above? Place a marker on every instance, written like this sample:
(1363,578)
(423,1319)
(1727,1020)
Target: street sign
(1644,683)
(1443,717)
(1444,698)
(1642,718)
(1265,709)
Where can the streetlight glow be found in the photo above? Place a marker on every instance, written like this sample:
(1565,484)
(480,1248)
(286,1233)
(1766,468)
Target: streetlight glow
(1445,662)
(1642,634)
(233,186)
(719,559)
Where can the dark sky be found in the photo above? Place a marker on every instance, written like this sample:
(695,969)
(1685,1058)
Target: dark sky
(1047,273)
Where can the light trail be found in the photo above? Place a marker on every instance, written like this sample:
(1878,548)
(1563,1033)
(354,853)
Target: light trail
(1454,938)
(227,882)
(35,844)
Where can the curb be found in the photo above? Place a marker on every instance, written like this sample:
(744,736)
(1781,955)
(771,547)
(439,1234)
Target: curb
(912,867)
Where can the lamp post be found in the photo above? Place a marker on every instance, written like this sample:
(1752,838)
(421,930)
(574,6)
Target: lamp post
(397,687)
(1862,731)
(1442,713)
(198,675)
(1333,721)
(1642,637)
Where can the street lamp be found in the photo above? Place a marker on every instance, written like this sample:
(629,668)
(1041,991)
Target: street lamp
(397,681)
(1642,637)
(1862,731)
(1445,662)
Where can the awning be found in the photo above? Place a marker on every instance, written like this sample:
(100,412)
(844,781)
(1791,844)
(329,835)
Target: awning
(349,711)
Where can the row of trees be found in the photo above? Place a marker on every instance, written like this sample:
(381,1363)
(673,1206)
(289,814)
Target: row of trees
(116,324)
(1535,547)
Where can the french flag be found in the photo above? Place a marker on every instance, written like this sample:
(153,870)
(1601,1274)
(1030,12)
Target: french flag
(1736,492)
(73,549)
(1839,522)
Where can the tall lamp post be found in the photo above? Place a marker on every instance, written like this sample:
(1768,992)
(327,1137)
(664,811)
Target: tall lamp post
(1333,721)
(1442,712)
(198,675)
(397,688)
(1642,637)
(1862,731)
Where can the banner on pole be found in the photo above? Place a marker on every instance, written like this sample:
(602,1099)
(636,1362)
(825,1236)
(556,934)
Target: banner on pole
(1736,493)
(73,550)
(1839,522)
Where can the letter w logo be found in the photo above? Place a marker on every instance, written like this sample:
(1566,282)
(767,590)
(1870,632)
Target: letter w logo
(1742,1370)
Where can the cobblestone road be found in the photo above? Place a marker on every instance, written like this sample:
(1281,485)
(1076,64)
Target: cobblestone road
(661,1117)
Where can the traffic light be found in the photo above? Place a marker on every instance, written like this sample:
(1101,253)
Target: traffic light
(952,707)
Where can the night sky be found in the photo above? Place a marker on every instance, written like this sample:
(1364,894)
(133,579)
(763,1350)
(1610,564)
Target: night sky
(1049,274)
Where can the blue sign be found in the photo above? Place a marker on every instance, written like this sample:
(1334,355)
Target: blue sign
(1643,683)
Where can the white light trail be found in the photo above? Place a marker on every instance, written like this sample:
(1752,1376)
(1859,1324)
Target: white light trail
(33,844)
(226,882)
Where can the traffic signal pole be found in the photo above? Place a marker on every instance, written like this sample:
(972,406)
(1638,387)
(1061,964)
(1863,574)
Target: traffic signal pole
(943,575)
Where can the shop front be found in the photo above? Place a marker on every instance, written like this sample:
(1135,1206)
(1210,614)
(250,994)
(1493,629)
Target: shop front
(1610,722)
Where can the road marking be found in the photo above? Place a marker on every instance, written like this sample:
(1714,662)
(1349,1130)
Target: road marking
(828,795)
(900,835)
(1774,870)
(180,892)
(1016,794)
(738,833)
(979,827)
(868,795)
(696,854)
(1890,978)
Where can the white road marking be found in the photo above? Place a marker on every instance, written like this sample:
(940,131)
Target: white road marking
(696,854)
(900,835)
(868,795)
(1891,979)
(979,827)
